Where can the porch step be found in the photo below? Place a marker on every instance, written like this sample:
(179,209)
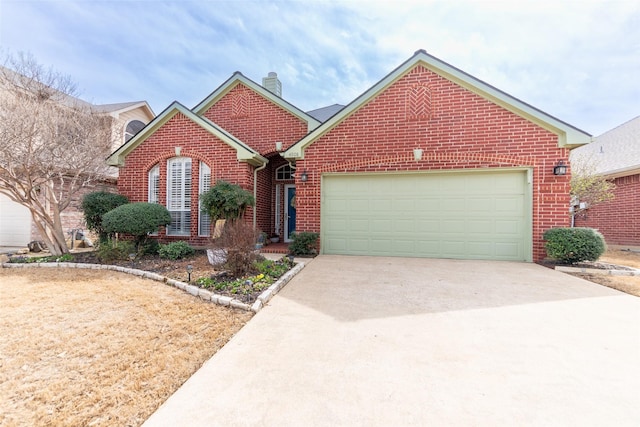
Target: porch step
(276,248)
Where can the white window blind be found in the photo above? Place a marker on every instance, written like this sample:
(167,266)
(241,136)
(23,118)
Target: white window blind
(179,196)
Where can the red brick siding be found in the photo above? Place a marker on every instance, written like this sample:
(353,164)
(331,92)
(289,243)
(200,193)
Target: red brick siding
(263,124)
(619,219)
(461,131)
(197,144)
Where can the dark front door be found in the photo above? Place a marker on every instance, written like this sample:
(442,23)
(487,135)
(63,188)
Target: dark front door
(291,212)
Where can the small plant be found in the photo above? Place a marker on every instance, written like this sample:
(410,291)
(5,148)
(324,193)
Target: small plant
(304,243)
(572,245)
(226,201)
(112,250)
(50,258)
(176,250)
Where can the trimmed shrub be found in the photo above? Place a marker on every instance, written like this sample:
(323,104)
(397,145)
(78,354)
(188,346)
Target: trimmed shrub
(95,205)
(226,201)
(304,243)
(176,250)
(137,219)
(572,245)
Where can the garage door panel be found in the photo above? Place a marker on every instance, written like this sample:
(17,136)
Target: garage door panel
(480,215)
(480,249)
(15,223)
(507,227)
(509,205)
(477,226)
(427,225)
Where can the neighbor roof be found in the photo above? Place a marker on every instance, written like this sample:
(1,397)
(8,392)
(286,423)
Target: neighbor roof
(614,153)
(568,136)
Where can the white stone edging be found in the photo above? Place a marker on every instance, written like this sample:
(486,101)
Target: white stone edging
(203,294)
(634,272)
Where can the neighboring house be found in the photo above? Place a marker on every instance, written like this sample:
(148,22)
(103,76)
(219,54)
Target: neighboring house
(16,227)
(616,155)
(428,162)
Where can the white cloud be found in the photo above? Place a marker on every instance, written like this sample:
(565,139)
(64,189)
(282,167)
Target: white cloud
(577,60)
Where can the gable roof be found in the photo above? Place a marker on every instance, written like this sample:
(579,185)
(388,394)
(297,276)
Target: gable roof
(238,78)
(615,153)
(244,153)
(568,136)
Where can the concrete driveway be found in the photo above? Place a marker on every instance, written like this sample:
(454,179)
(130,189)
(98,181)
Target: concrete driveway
(363,341)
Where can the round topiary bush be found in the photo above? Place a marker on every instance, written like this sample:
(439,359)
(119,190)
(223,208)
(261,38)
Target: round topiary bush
(137,219)
(572,245)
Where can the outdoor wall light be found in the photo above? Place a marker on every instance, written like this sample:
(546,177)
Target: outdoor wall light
(189,271)
(278,145)
(417,154)
(304,176)
(560,168)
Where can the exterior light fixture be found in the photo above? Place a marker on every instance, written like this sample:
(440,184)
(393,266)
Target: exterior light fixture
(560,168)
(189,271)
(132,257)
(304,176)
(417,154)
(278,145)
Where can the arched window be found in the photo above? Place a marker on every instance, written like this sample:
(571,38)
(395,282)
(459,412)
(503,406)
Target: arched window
(284,173)
(133,127)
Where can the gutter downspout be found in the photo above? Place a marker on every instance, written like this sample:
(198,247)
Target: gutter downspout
(255,191)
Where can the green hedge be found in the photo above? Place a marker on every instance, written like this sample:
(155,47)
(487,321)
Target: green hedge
(304,243)
(95,205)
(572,245)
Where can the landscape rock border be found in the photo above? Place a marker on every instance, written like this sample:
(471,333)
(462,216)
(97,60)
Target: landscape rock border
(607,272)
(203,294)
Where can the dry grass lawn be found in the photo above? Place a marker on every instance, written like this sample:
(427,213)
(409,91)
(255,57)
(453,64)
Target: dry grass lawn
(99,348)
(628,284)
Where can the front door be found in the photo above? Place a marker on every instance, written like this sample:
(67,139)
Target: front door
(290,211)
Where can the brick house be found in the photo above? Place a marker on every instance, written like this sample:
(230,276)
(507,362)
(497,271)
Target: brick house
(616,155)
(430,161)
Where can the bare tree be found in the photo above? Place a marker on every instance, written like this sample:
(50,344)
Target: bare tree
(52,144)
(588,188)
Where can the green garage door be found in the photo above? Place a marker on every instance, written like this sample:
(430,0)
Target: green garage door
(467,215)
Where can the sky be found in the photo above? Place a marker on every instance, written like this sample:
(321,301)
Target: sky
(578,61)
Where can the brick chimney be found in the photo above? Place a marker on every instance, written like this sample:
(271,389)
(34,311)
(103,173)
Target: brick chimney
(272,84)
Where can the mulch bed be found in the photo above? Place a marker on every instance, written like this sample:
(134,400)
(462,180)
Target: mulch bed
(172,269)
